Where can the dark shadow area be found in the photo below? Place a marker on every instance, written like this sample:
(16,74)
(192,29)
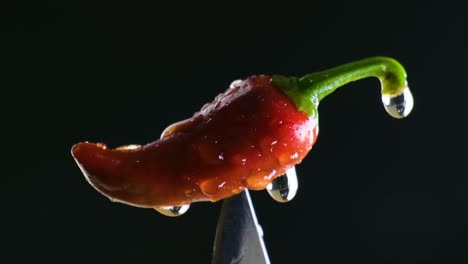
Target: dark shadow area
(372,190)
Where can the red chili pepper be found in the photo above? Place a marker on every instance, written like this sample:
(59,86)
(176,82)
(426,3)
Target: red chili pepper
(245,138)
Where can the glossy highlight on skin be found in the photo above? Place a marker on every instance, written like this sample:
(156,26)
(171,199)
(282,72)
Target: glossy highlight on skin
(245,138)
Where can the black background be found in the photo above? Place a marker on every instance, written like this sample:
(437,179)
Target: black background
(373,190)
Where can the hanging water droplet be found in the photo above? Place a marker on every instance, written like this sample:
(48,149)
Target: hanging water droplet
(399,106)
(173,210)
(284,188)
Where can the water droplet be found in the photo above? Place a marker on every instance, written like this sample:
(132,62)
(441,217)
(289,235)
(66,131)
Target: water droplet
(173,210)
(180,126)
(284,188)
(211,187)
(188,193)
(259,179)
(205,106)
(235,83)
(399,106)
(260,230)
(129,147)
(237,190)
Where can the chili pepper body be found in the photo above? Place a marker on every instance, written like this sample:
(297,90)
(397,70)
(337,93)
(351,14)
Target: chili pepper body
(245,138)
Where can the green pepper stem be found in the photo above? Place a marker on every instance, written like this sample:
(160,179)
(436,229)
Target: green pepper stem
(307,91)
(390,73)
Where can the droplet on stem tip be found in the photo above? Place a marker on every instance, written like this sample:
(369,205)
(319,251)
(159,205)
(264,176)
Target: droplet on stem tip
(399,106)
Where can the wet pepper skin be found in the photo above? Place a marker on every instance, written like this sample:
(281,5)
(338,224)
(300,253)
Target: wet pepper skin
(245,138)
